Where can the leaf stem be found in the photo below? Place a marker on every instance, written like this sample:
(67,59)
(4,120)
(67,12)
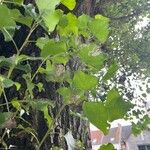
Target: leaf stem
(6,100)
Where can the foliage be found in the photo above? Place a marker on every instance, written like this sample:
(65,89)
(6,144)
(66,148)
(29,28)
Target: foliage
(55,54)
(107,147)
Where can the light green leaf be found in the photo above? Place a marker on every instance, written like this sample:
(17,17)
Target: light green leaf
(69,3)
(6,21)
(66,93)
(100,28)
(27,20)
(17,1)
(18,17)
(40,86)
(84,81)
(111,71)
(41,42)
(71,26)
(92,57)
(16,104)
(83,22)
(18,85)
(116,106)
(6,83)
(97,115)
(47,116)
(60,59)
(53,48)
(52,19)
(46,6)
(107,147)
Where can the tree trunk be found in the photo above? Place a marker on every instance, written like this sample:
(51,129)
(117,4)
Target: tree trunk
(66,122)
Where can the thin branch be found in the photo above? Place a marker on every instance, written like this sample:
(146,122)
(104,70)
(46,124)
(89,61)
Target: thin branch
(6,100)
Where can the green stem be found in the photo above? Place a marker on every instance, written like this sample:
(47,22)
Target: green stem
(23,45)
(6,100)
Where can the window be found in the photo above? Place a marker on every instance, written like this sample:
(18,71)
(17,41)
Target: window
(144,147)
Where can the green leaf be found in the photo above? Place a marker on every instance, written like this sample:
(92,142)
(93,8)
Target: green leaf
(4,117)
(107,147)
(71,26)
(70,4)
(8,33)
(60,60)
(113,108)
(52,19)
(99,28)
(30,85)
(27,20)
(40,87)
(41,42)
(116,106)
(45,6)
(66,93)
(49,14)
(47,116)
(16,104)
(83,22)
(17,1)
(91,57)
(111,71)
(6,19)
(42,105)
(6,83)
(97,115)
(53,48)
(84,81)
(39,104)
(18,85)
